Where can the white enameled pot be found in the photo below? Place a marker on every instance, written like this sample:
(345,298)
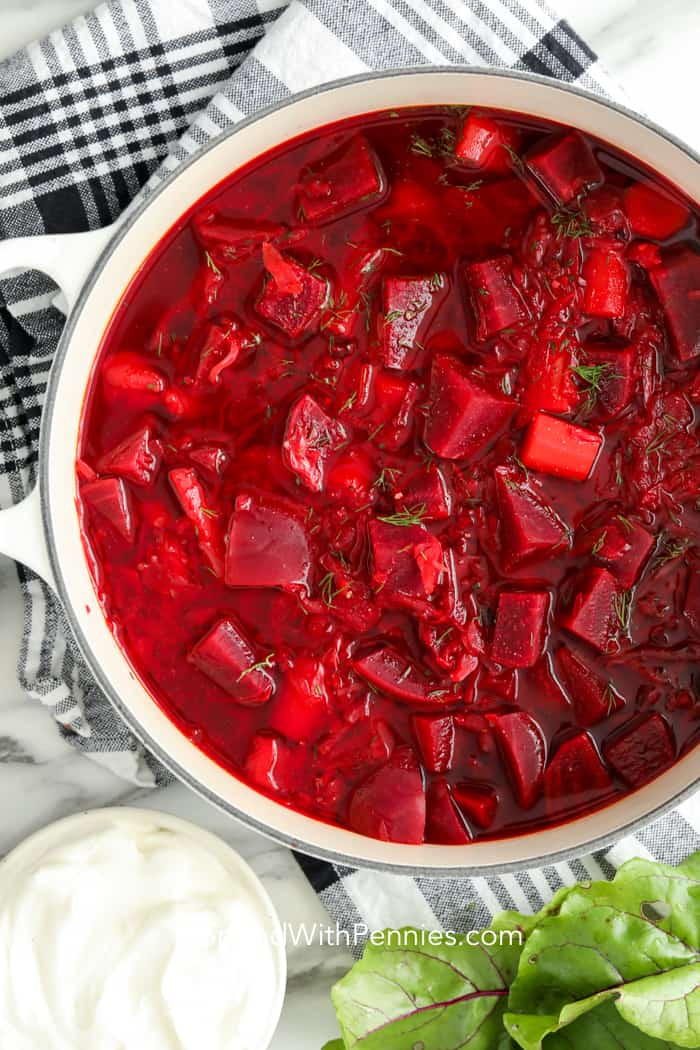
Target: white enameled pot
(94,269)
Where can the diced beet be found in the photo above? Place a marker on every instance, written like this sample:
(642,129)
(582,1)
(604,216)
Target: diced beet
(521,623)
(310,437)
(496,302)
(425,488)
(391,417)
(435,736)
(392,673)
(524,751)
(677,284)
(444,825)
(575,769)
(607,280)
(352,288)
(274,764)
(212,458)
(350,748)
(565,166)
(616,383)
(453,651)
(691,607)
(408,303)
(464,418)
(530,529)
(111,499)
(351,478)
(235,238)
(267,546)
(136,459)
(653,213)
(226,656)
(548,382)
(592,696)
(554,446)
(407,560)
(300,711)
(349,178)
(478,802)
(208,527)
(485,143)
(293,297)
(592,614)
(390,804)
(622,546)
(639,752)
(348,598)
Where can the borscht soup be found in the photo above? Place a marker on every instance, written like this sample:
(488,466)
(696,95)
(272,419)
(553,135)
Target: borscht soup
(389,474)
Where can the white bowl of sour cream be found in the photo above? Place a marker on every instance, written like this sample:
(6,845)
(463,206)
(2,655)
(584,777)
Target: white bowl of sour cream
(124,928)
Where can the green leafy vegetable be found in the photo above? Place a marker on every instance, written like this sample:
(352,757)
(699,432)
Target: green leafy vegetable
(604,966)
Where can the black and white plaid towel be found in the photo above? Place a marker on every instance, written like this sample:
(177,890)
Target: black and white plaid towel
(97,113)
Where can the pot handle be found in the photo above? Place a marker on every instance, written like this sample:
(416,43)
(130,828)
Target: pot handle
(68,259)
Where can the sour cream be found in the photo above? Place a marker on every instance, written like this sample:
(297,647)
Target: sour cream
(136,934)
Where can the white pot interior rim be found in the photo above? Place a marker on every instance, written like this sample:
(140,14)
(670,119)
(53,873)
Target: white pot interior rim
(70,376)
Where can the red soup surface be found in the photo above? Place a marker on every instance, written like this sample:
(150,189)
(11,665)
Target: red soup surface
(390,476)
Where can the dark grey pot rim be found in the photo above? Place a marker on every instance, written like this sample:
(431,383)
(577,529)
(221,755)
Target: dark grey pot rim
(343,860)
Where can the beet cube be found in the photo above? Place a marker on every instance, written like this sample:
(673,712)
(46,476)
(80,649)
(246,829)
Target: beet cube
(348,178)
(195,503)
(381,401)
(392,673)
(351,478)
(622,546)
(521,623)
(213,459)
(136,459)
(435,736)
(607,281)
(111,499)
(226,656)
(639,752)
(530,529)
(409,303)
(301,707)
(691,607)
(677,284)
(293,297)
(274,764)
(464,418)
(425,488)
(485,143)
(219,345)
(565,166)
(554,446)
(478,802)
(352,287)
(592,613)
(593,697)
(496,302)
(390,804)
(444,825)
(524,752)
(234,238)
(616,378)
(575,769)
(654,213)
(310,438)
(267,546)
(408,561)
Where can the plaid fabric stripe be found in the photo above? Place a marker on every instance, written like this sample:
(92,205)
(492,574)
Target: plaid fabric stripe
(93,116)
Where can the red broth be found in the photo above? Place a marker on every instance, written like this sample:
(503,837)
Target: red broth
(390,479)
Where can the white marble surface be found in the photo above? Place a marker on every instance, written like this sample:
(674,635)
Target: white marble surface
(650,48)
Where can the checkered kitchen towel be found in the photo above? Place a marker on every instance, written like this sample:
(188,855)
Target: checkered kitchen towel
(96,114)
